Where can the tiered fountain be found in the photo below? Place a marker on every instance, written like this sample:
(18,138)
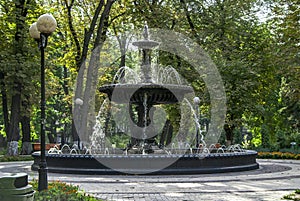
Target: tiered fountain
(145,154)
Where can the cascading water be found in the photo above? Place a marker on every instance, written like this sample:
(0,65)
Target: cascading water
(145,105)
(160,75)
(97,139)
(196,120)
(126,75)
(165,75)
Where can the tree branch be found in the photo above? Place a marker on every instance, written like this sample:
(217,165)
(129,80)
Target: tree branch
(73,32)
(103,23)
(189,19)
(88,34)
(116,17)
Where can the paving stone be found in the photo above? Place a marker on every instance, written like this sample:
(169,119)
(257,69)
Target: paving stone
(271,182)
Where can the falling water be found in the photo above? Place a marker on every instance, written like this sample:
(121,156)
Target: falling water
(197,123)
(98,136)
(65,149)
(126,75)
(160,75)
(166,75)
(73,151)
(106,151)
(145,117)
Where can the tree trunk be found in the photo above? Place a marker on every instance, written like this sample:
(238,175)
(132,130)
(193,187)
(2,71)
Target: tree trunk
(107,118)
(14,131)
(26,137)
(229,133)
(81,68)
(52,135)
(75,136)
(66,90)
(4,109)
(122,44)
(21,8)
(82,114)
(166,135)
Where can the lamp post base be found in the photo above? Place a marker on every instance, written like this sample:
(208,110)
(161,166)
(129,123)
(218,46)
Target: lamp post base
(43,178)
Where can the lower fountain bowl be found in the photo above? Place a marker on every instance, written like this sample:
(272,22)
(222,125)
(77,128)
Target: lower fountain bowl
(149,164)
(156,94)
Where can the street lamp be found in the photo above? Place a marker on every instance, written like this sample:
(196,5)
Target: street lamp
(40,30)
(197,103)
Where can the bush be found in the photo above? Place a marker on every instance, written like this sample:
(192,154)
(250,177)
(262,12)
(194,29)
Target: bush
(60,191)
(278,155)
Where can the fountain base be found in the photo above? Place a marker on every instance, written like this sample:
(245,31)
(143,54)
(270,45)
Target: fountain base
(149,163)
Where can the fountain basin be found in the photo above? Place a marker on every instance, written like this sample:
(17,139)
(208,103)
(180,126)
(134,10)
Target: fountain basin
(149,164)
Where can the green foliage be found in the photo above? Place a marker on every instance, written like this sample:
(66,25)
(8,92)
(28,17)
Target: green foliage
(259,61)
(119,140)
(246,143)
(15,158)
(60,191)
(278,155)
(293,196)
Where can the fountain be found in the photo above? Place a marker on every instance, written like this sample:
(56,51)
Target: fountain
(145,153)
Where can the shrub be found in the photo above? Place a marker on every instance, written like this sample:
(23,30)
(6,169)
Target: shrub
(278,155)
(60,191)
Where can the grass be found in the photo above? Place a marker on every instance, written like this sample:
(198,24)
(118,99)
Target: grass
(60,191)
(5,158)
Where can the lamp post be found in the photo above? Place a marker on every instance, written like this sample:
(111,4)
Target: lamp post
(197,103)
(45,25)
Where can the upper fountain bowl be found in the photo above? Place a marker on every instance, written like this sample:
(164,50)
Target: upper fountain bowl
(146,44)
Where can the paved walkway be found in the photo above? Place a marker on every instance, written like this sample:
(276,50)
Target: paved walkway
(270,182)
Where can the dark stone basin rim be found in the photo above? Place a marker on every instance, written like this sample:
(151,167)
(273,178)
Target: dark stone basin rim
(134,164)
(152,156)
(171,87)
(157,94)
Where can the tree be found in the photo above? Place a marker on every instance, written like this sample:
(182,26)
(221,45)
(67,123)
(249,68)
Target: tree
(285,24)
(94,36)
(233,36)
(258,61)
(15,67)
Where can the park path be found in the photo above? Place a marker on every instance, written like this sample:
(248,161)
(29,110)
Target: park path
(270,182)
